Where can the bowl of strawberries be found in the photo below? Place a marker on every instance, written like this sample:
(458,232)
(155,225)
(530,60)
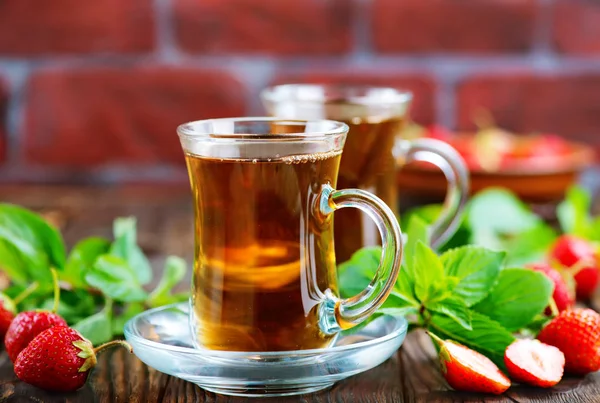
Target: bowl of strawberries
(538,167)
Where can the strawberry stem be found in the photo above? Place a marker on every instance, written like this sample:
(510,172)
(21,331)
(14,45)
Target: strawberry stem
(113,343)
(56,290)
(553,307)
(26,293)
(436,339)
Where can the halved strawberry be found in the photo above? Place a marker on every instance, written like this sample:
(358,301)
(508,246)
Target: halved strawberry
(534,363)
(468,370)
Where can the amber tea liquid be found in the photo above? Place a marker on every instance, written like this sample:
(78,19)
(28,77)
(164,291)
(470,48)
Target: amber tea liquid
(367,163)
(262,257)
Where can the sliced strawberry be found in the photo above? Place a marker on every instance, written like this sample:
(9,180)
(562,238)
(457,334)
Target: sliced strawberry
(468,370)
(534,363)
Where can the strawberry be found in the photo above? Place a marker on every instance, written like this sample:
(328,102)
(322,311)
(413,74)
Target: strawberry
(467,370)
(534,363)
(577,334)
(563,291)
(59,359)
(579,256)
(26,325)
(7,314)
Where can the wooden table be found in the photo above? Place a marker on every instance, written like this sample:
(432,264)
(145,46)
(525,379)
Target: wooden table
(165,225)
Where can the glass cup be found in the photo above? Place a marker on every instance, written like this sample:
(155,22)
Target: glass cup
(264,193)
(373,152)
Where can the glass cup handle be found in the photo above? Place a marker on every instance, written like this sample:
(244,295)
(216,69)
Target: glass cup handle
(453,166)
(338,314)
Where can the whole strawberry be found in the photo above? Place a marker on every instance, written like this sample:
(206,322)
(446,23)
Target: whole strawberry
(467,370)
(59,359)
(579,256)
(564,294)
(26,325)
(577,334)
(534,363)
(7,314)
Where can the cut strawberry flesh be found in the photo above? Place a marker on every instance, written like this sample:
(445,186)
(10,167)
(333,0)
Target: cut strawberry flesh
(478,365)
(534,363)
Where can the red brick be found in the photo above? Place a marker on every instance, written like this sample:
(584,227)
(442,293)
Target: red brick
(93,117)
(32,27)
(453,25)
(276,27)
(422,86)
(566,105)
(576,26)
(3,118)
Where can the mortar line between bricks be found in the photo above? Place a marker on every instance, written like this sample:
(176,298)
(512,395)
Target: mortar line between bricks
(166,45)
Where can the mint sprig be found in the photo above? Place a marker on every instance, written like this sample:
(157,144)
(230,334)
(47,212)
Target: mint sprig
(103,281)
(465,294)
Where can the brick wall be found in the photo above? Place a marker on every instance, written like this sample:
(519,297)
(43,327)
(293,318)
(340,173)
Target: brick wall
(91,91)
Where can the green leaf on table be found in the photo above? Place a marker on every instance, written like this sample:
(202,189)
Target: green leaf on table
(455,308)
(125,246)
(37,244)
(356,274)
(115,278)
(427,270)
(97,328)
(517,298)
(174,272)
(574,212)
(476,268)
(487,336)
(131,310)
(82,258)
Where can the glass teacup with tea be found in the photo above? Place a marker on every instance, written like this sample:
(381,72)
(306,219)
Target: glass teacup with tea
(264,192)
(373,152)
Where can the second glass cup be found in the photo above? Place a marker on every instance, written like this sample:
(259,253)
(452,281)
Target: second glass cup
(373,152)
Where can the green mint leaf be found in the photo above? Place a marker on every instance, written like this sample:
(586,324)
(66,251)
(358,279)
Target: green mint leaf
(441,290)
(175,269)
(476,268)
(356,274)
(131,310)
(125,246)
(455,308)
(97,328)
(529,246)
(496,213)
(416,231)
(574,212)
(14,265)
(74,306)
(487,336)
(115,278)
(429,214)
(427,270)
(38,244)
(82,258)
(517,298)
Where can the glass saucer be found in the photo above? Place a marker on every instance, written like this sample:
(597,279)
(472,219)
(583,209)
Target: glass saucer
(161,338)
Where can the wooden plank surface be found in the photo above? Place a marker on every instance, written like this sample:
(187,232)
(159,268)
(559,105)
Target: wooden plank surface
(165,224)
